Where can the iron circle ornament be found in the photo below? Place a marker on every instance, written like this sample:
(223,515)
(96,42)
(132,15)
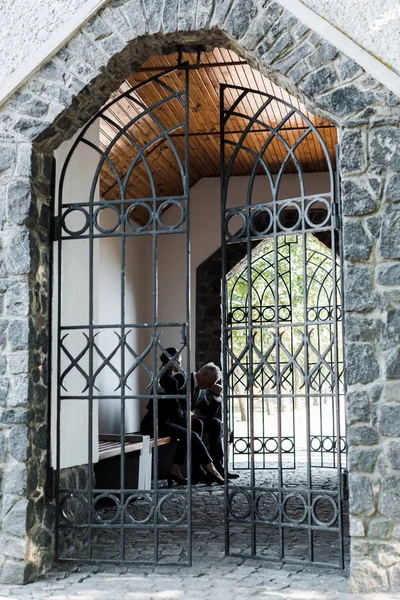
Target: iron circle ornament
(73,508)
(69,211)
(331,501)
(303,507)
(167,204)
(315,443)
(289,207)
(161,509)
(287,445)
(257,445)
(314,205)
(128,217)
(114,516)
(270,500)
(241,446)
(243,500)
(97,214)
(271,445)
(140,498)
(239,217)
(261,216)
(328,444)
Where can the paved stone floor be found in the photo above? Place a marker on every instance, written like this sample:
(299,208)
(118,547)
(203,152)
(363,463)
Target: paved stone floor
(225,579)
(212,575)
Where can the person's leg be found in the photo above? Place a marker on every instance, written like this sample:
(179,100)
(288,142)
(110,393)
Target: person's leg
(213,428)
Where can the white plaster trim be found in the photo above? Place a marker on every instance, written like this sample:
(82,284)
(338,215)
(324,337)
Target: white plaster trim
(342,42)
(46,51)
(65,32)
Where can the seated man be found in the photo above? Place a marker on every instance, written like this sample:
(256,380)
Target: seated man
(207,406)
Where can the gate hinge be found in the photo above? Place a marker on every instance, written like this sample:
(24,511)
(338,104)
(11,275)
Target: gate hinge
(55,229)
(51,484)
(344,483)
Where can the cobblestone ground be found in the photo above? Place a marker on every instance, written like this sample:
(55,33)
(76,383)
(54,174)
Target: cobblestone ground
(212,574)
(228,578)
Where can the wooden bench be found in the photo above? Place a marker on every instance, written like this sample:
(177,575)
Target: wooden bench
(110,447)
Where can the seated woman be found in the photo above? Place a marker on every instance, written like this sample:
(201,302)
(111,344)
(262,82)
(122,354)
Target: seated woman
(172,423)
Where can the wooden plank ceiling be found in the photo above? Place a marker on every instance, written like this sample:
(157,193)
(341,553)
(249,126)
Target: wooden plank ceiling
(204,142)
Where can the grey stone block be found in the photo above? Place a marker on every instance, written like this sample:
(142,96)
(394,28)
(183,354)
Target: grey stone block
(20,202)
(324,53)
(358,407)
(18,442)
(393,324)
(353,152)
(7,158)
(389,502)
(392,363)
(359,291)
(361,495)
(30,128)
(347,101)
(17,299)
(16,572)
(14,415)
(14,482)
(385,147)
(361,459)
(319,81)
(393,188)
(379,528)
(362,435)
(388,274)
(282,44)
(2,447)
(348,69)
(393,454)
(22,254)
(357,199)
(389,421)
(18,334)
(357,244)
(4,385)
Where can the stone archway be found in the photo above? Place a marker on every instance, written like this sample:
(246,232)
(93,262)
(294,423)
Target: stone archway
(57,101)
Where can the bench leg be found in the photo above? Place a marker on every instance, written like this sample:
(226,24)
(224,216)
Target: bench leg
(144,482)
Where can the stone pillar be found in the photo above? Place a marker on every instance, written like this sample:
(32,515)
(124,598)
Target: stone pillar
(370,168)
(26,524)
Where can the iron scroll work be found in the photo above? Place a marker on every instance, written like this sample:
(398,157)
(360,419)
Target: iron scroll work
(282,342)
(108,347)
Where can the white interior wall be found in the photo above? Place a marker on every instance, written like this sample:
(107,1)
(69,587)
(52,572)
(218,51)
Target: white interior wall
(74,422)
(205,236)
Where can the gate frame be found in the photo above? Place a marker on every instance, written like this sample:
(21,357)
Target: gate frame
(59,99)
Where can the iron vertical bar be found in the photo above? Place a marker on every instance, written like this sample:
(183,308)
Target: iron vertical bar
(337,383)
(91,382)
(278,375)
(188,313)
(307,385)
(123,383)
(225,381)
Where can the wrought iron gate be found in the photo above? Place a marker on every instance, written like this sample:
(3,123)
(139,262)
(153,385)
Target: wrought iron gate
(108,341)
(282,342)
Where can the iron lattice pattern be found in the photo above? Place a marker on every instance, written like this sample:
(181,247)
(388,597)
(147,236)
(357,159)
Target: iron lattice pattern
(108,354)
(282,340)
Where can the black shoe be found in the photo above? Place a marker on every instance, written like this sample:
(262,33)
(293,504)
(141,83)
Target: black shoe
(179,480)
(214,476)
(230,475)
(199,476)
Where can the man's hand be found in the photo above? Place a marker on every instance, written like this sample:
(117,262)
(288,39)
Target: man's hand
(216,389)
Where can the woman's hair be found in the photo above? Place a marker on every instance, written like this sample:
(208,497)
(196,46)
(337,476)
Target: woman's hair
(168,354)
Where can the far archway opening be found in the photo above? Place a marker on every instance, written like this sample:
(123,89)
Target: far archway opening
(129,184)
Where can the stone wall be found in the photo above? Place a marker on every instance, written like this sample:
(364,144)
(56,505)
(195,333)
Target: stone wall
(57,101)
